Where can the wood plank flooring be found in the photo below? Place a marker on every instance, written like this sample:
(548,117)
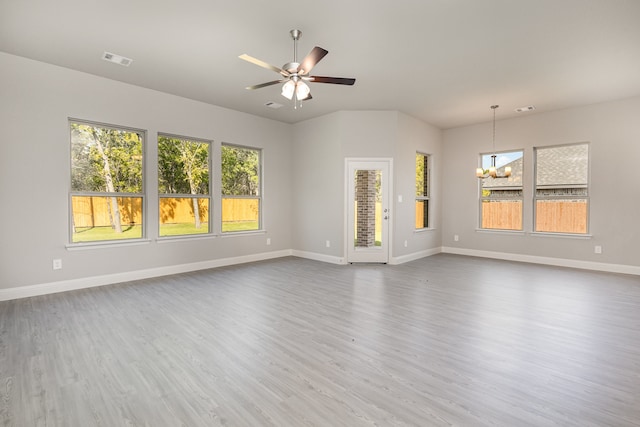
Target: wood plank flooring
(446,340)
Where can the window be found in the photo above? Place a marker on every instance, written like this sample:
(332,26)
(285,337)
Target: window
(422,190)
(501,198)
(562,189)
(106,183)
(183,186)
(241,188)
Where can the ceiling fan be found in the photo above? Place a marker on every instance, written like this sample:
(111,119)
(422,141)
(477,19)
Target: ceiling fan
(295,74)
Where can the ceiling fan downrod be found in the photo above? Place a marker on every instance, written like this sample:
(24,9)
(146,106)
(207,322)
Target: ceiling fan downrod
(295,35)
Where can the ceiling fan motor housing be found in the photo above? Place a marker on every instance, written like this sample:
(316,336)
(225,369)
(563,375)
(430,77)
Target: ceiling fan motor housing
(291,67)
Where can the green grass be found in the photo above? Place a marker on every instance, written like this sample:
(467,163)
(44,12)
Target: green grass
(240,226)
(98,234)
(185,228)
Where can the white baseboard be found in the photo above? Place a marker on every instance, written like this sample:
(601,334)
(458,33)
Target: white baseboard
(414,256)
(319,257)
(559,262)
(109,279)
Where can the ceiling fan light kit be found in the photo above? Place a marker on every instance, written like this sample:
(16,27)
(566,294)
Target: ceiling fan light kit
(296,74)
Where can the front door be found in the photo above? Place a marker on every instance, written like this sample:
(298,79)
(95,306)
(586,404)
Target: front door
(368,210)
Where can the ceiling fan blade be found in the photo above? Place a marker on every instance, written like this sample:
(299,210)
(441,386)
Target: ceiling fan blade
(310,61)
(261,85)
(263,64)
(333,80)
(308,97)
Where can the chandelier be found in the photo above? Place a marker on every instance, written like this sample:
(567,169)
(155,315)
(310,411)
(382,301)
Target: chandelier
(492,172)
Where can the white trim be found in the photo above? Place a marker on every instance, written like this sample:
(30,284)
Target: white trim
(319,257)
(90,282)
(110,279)
(384,253)
(423,230)
(500,231)
(414,256)
(80,246)
(561,235)
(560,262)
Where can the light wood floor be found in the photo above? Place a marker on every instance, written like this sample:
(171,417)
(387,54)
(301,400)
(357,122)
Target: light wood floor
(447,340)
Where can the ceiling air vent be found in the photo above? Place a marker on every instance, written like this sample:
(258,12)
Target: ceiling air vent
(273,105)
(117,59)
(525,109)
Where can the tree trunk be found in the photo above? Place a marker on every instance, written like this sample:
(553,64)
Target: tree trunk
(196,211)
(115,210)
(192,188)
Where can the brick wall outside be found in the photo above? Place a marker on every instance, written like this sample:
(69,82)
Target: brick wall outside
(365,208)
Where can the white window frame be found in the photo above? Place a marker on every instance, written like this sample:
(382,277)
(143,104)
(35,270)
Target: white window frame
(425,197)
(536,197)
(207,196)
(259,196)
(141,195)
(482,198)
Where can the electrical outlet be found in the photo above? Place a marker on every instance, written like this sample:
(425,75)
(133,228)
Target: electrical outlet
(456,237)
(57,264)
(268,241)
(597,249)
(406,243)
(399,198)
(328,243)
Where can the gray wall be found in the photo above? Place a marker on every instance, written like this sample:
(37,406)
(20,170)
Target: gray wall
(318,180)
(37,100)
(303,175)
(320,147)
(613,131)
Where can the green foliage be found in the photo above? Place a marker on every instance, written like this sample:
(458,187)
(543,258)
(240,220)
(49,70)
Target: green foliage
(96,150)
(421,176)
(183,166)
(240,171)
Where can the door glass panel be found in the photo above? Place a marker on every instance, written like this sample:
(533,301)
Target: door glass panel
(368,209)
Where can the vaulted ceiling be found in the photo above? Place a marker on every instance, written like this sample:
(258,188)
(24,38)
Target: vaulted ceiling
(443,61)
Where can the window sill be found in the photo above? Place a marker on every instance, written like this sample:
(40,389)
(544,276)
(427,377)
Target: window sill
(241,233)
(109,244)
(491,231)
(185,237)
(561,235)
(424,230)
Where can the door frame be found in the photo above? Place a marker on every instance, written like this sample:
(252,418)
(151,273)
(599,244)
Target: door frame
(387,204)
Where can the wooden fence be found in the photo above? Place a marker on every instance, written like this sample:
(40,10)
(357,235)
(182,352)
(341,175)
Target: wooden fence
(92,211)
(551,216)
(419,214)
(240,210)
(502,215)
(561,216)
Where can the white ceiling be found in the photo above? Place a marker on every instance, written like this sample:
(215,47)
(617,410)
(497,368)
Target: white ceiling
(443,61)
